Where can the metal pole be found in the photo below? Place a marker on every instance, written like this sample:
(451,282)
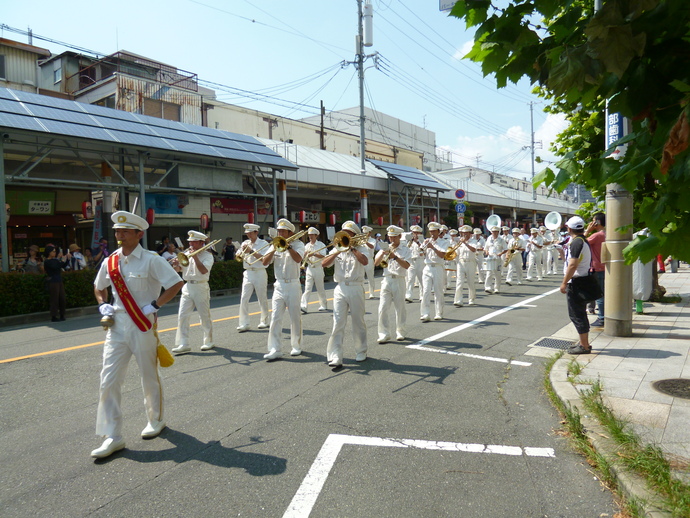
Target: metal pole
(142,198)
(531,121)
(5,249)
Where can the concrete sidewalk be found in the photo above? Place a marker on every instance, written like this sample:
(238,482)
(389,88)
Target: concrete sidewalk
(628,368)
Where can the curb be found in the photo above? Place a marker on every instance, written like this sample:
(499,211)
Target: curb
(631,485)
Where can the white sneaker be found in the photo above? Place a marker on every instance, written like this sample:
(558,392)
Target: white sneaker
(108,447)
(262,325)
(303,309)
(519,283)
(383,339)
(244,328)
(323,309)
(487,290)
(361,357)
(538,278)
(335,362)
(496,291)
(399,337)
(295,351)
(457,304)
(424,318)
(471,302)
(181,349)
(207,347)
(152,430)
(273,354)
(438,317)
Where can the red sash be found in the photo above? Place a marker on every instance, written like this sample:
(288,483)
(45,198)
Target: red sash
(131,306)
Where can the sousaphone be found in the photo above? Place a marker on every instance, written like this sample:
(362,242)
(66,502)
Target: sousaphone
(553,220)
(493,221)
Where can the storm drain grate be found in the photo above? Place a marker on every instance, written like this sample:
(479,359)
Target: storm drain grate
(676,387)
(553,343)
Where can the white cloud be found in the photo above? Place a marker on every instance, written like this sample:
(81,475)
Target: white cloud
(462,51)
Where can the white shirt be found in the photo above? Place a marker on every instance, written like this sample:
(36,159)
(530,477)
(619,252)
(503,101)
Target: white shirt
(346,266)
(394,268)
(192,273)
(430,255)
(494,246)
(259,244)
(284,266)
(538,240)
(318,247)
(144,273)
(465,254)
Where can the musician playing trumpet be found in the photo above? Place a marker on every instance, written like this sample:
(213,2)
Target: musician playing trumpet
(434,249)
(195,293)
(516,247)
(254,278)
(286,290)
(314,271)
(414,272)
(396,259)
(467,266)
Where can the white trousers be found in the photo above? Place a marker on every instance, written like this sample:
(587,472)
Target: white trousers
(121,342)
(414,273)
(465,277)
(254,280)
(371,278)
(347,297)
(432,278)
(286,295)
(451,269)
(515,268)
(534,264)
(551,264)
(492,279)
(392,297)
(199,296)
(480,266)
(314,277)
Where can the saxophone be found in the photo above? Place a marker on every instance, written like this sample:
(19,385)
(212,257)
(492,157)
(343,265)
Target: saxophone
(511,253)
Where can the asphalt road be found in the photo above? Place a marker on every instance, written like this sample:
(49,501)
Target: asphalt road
(450,423)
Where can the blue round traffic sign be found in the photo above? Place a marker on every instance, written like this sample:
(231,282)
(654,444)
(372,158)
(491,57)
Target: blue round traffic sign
(460,208)
(460,194)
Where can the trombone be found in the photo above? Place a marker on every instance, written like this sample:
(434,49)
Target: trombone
(184,257)
(451,253)
(279,243)
(341,241)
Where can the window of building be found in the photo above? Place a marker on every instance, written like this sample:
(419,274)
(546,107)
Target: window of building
(57,75)
(162,109)
(108,102)
(2,66)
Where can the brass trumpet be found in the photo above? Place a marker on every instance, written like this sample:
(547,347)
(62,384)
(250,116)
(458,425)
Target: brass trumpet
(280,244)
(184,257)
(384,260)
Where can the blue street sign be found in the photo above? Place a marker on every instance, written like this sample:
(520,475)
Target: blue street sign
(460,208)
(460,194)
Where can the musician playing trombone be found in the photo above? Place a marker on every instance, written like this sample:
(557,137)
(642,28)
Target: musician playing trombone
(348,294)
(254,277)
(434,249)
(314,271)
(467,266)
(286,290)
(195,293)
(396,260)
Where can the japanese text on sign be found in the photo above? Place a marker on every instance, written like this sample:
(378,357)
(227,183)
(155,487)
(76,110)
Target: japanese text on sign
(40,207)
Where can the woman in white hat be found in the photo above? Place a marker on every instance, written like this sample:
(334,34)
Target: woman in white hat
(414,272)
(254,277)
(314,270)
(393,285)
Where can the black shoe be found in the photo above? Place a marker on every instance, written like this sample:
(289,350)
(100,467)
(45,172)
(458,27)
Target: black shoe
(578,349)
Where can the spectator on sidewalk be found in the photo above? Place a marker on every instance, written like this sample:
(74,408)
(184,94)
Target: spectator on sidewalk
(77,261)
(596,235)
(33,263)
(56,289)
(228,250)
(579,259)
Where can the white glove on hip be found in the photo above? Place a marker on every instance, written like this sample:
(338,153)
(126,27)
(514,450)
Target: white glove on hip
(148,309)
(107,310)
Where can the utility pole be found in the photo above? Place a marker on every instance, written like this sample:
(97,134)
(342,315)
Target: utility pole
(531,122)
(322,133)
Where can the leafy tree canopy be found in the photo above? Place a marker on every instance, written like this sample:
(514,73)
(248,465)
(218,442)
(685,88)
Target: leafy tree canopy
(633,53)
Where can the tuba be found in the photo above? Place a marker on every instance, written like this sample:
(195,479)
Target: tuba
(493,221)
(553,220)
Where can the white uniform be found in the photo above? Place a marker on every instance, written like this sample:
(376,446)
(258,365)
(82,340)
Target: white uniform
(480,258)
(451,266)
(286,295)
(414,272)
(348,294)
(467,266)
(534,257)
(314,277)
(515,264)
(393,294)
(369,268)
(432,279)
(144,272)
(550,264)
(195,293)
(493,247)
(254,279)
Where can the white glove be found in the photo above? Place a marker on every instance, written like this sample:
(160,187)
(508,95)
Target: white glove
(148,309)
(107,310)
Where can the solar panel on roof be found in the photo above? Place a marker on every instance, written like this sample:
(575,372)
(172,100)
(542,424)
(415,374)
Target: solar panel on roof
(39,113)
(409,175)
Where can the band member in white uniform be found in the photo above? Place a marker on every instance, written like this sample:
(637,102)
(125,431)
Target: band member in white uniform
(314,250)
(195,293)
(550,252)
(515,265)
(393,285)
(254,278)
(144,274)
(451,266)
(467,266)
(494,249)
(434,249)
(369,268)
(505,235)
(414,272)
(536,243)
(286,291)
(480,254)
(348,294)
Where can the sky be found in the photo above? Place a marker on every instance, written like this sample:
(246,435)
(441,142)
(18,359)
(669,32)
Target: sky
(286,56)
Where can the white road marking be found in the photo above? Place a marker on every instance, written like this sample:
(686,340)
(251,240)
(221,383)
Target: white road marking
(525,303)
(468,355)
(305,498)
